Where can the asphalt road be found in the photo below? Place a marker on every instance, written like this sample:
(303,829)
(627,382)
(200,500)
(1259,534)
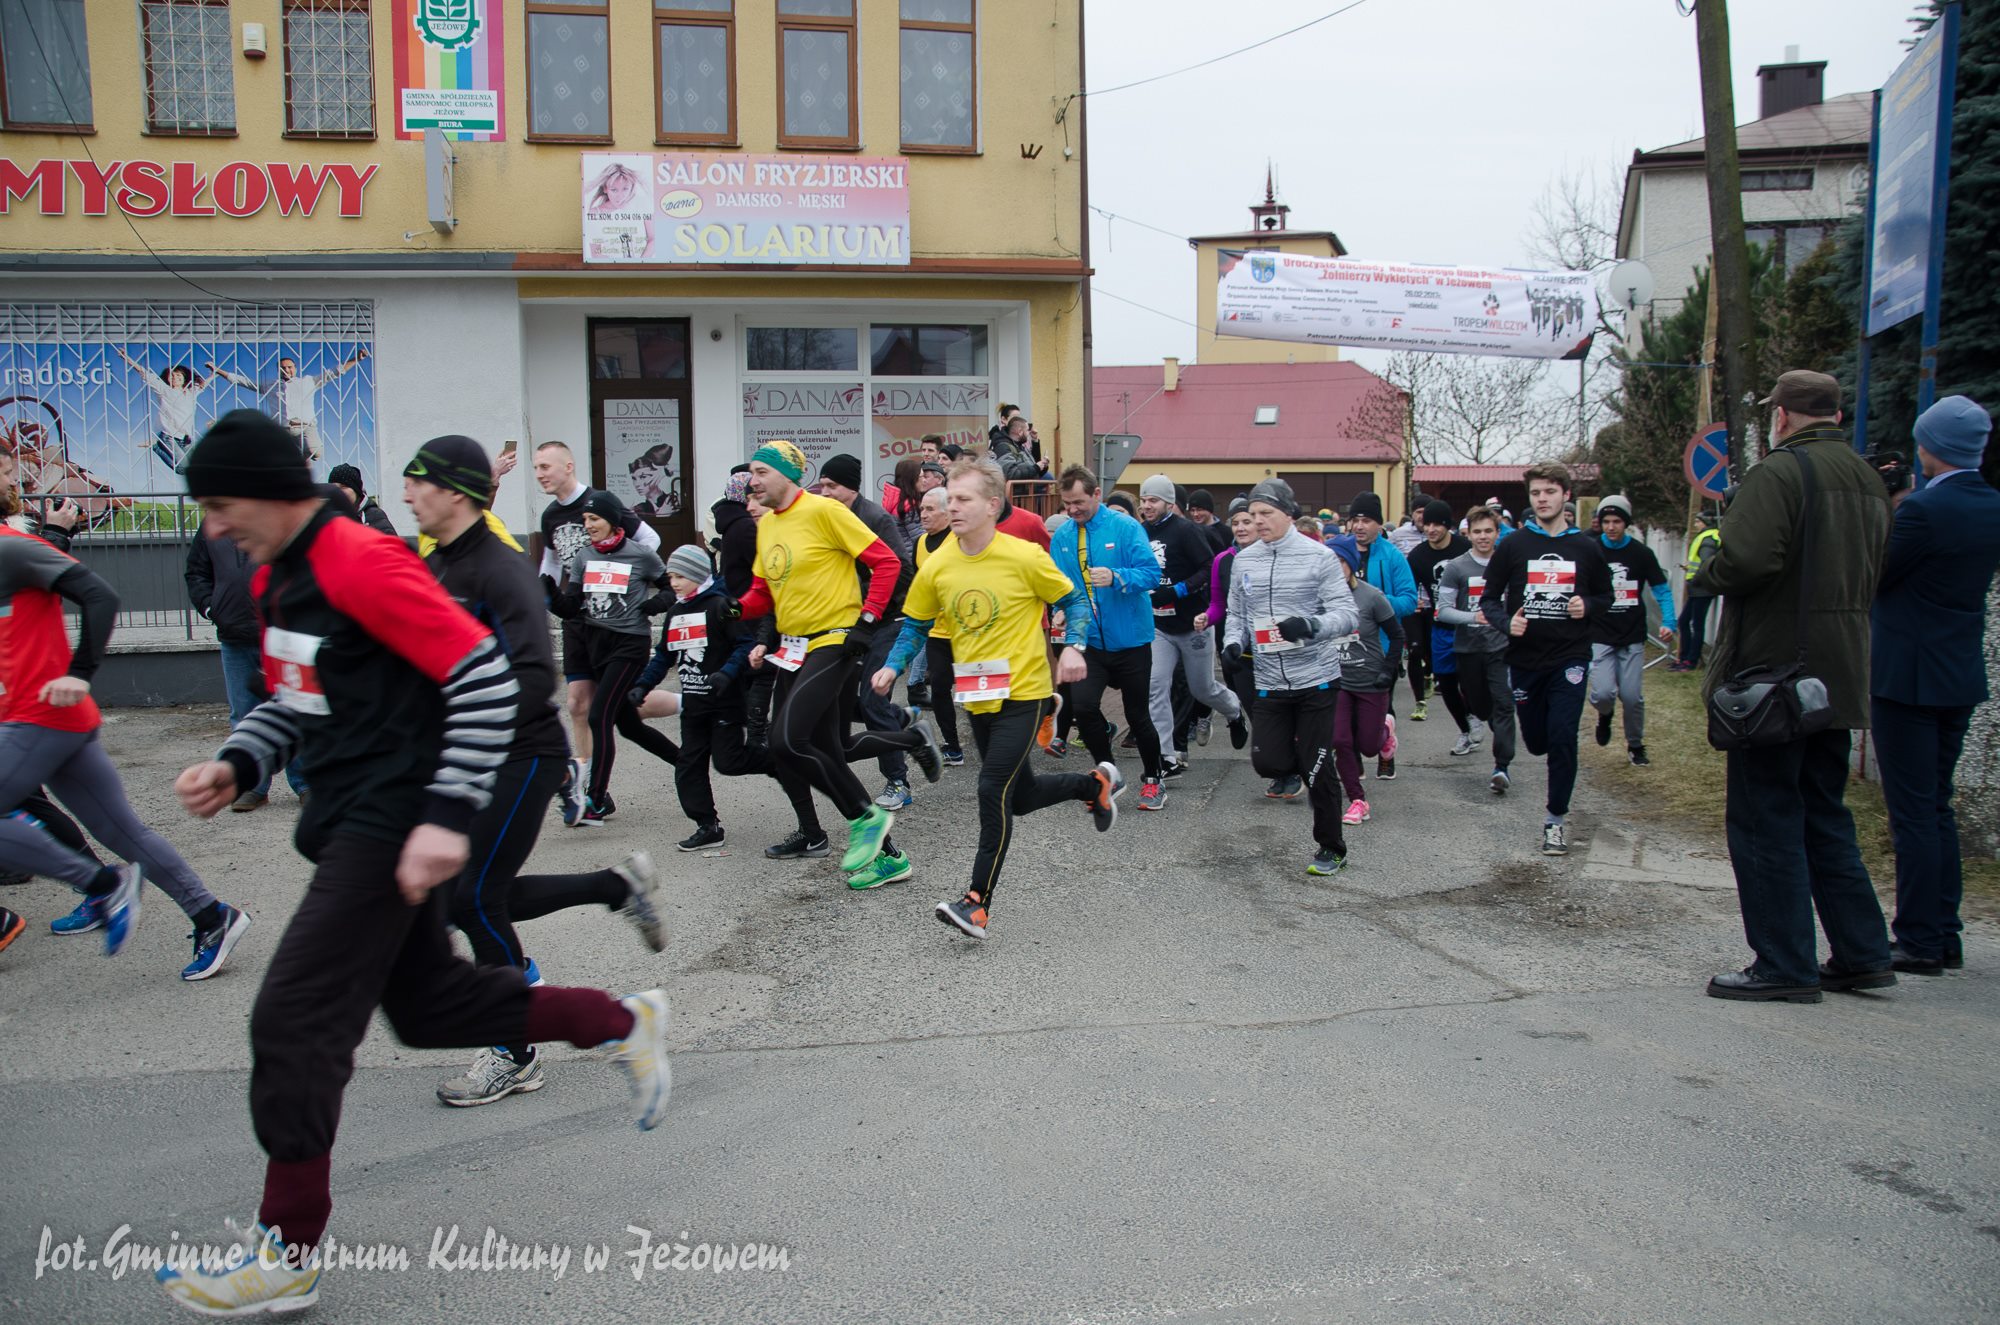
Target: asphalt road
(1184,1082)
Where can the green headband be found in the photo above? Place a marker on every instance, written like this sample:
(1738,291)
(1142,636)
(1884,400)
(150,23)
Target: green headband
(782,456)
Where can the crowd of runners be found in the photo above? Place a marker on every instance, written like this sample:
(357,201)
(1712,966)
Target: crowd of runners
(416,707)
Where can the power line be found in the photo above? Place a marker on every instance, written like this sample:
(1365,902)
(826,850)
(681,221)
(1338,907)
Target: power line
(1147,308)
(1114,216)
(1227,55)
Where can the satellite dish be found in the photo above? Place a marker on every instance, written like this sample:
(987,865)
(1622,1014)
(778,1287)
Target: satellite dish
(1630,284)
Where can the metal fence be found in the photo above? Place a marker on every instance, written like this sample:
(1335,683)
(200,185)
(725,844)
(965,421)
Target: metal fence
(138,542)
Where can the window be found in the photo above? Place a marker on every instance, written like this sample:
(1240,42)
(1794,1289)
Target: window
(569,71)
(802,349)
(1791,245)
(1771,181)
(694,45)
(940,84)
(44,65)
(654,351)
(1266,414)
(329,69)
(918,351)
(190,81)
(816,69)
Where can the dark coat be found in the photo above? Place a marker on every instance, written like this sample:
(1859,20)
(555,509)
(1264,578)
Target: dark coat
(1757,569)
(736,531)
(218,584)
(1930,612)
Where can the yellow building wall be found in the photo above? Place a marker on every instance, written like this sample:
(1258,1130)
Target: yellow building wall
(1211,348)
(516,196)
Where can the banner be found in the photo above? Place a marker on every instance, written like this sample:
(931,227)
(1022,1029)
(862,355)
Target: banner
(955,411)
(1904,184)
(450,68)
(1395,306)
(642,456)
(701,208)
(97,399)
(821,418)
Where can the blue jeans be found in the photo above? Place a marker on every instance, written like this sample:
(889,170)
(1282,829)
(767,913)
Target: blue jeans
(1919,747)
(1791,843)
(243,682)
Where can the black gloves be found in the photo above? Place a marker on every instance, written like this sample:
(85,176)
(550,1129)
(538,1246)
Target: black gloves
(1296,628)
(860,636)
(719,683)
(549,591)
(1232,653)
(658,603)
(732,608)
(636,696)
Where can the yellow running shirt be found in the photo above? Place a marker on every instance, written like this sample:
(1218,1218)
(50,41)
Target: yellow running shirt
(992,604)
(805,556)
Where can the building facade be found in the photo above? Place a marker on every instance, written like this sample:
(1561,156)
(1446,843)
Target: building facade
(658,232)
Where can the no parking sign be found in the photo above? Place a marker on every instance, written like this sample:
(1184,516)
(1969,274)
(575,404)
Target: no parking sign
(1707,461)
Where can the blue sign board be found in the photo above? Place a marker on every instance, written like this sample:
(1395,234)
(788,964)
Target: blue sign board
(1707,462)
(1905,176)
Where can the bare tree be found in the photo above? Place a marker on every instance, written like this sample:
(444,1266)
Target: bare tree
(1575,223)
(1462,409)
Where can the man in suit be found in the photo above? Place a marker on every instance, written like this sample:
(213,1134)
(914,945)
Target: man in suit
(1930,671)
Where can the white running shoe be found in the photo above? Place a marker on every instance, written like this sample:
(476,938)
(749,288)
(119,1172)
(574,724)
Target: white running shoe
(643,1055)
(642,905)
(259,1275)
(492,1076)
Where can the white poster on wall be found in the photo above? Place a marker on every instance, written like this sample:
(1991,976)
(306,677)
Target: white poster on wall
(821,418)
(642,456)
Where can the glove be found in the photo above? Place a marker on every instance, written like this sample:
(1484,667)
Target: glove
(658,603)
(732,608)
(719,683)
(1232,653)
(1296,628)
(549,591)
(636,696)
(860,636)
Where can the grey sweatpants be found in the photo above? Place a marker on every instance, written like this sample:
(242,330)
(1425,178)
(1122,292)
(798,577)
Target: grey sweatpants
(77,772)
(1195,651)
(1617,672)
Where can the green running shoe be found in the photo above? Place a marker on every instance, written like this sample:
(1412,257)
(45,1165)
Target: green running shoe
(889,867)
(865,836)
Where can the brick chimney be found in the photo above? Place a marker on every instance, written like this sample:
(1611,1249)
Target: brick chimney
(1173,373)
(1788,86)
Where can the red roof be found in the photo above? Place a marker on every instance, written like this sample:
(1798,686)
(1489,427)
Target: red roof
(1490,473)
(1211,414)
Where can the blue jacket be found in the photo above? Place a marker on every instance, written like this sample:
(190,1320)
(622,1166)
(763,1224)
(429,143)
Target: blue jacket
(1929,619)
(1389,571)
(1122,613)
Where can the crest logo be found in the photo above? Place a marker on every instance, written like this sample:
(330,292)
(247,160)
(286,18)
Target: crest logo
(1263,268)
(973,610)
(447,24)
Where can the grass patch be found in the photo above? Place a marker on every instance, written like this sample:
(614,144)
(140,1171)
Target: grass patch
(1685,786)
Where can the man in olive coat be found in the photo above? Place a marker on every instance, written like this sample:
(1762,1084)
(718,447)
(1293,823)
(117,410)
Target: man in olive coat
(1791,838)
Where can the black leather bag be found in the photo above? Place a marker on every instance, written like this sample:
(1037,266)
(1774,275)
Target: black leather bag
(1765,706)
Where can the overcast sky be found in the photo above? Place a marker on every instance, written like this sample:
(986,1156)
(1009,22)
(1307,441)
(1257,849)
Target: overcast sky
(1416,130)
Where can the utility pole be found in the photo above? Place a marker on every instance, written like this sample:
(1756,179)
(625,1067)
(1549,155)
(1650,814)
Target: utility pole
(1729,276)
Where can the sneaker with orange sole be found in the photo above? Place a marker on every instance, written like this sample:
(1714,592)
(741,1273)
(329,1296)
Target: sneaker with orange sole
(1045,734)
(967,914)
(1104,805)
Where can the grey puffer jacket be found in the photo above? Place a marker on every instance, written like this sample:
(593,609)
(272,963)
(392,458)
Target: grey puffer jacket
(1295,576)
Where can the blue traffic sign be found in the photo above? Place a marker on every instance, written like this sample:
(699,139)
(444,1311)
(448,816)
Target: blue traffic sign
(1707,461)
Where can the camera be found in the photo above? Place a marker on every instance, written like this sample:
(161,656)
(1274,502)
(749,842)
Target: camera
(1894,467)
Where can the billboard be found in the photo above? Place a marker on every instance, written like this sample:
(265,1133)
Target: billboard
(821,418)
(1899,244)
(450,68)
(104,399)
(703,209)
(1399,306)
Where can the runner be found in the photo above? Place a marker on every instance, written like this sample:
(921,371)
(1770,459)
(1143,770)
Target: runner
(1106,555)
(1383,566)
(1480,650)
(400,700)
(1288,596)
(808,551)
(1431,647)
(1618,657)
(994,588)
(1184,554)
(447,486)
(1240,676)
(1362,727)
(736,515)
(1544,587)
(936,515)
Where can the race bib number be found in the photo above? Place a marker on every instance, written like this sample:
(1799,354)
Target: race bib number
(1551,584)
(976,682)
(291,669)
(606,576)
(791,654)
(1264,630)
(1624,591)
(687,632)
(1163,611)
(1475,589)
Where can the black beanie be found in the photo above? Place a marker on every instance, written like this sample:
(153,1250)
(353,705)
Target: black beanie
(602,504)
(843,469)
(245,453)
(1437,512)
(1201,499)
(455,463)
(1369,505)
(347,476)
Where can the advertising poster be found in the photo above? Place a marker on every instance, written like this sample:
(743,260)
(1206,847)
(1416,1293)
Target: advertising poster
(792,210)
(955,411)
(822,418)
(450,68)
(1905,181)
(1395,306)
(642,456)
(106,400)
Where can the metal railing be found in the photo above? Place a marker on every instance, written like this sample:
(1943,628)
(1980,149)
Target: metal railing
(138,542)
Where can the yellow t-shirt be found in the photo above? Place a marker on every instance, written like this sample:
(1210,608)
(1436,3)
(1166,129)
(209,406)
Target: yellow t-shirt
(805,556)
(992,604)
(426,544)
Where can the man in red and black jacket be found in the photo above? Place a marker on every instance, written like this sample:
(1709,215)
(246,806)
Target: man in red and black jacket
(405,706)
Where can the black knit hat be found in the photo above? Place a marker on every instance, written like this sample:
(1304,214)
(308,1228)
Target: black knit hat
(1437,512)
(843,469)
(602,504)
(245,453)
(347,476)
(1368,505)
(1201,499)
(455,463)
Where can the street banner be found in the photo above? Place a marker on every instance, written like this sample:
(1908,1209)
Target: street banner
(1399,306)
(704,209)
(450,68)
(1904,182)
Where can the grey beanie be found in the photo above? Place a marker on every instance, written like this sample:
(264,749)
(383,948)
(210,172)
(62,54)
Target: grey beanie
(1955,431)
(690,561)
(1160,486)
(1616,503)
(1275,492)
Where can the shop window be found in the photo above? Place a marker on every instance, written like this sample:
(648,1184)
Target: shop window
(650,351)
(569,71)
(329,69)
(44,65)
(190,76)
(817,75)
(927,351)
(940,82)
(802,349)
(694,44)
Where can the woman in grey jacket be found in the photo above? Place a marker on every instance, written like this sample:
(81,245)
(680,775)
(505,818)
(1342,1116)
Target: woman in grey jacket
(1289,605)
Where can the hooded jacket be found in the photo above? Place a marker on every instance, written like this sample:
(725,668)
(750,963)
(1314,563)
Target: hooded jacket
(1295,576)
(1121,613)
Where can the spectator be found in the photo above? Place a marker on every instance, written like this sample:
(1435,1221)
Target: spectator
(348,479)
(899,499)
(1694,612)
(930,448)
(998,432)
(1929,671)
(1791,838)
(1010,452)
(929,475)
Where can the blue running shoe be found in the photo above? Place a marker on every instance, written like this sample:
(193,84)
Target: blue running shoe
(89,915)
(571,797)
(121,908)
(212,946)
(534,974)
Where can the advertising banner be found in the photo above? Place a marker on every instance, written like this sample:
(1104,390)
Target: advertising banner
(642,456)
(903,415)
(821,418)
(1904,182)
(1398,306)
(705,209)
(108,398)
(450,68)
